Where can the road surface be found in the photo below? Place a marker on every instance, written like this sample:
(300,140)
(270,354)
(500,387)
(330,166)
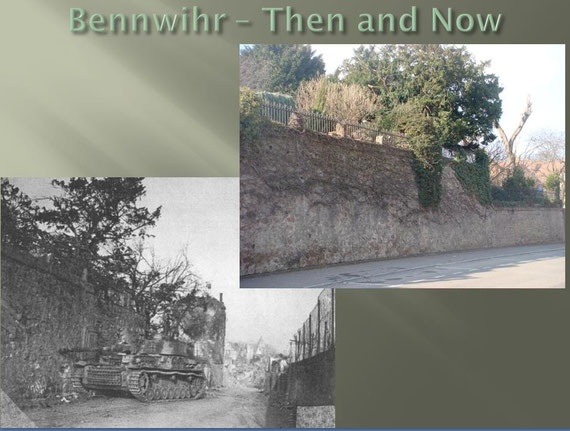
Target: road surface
(236,407)
(537,266)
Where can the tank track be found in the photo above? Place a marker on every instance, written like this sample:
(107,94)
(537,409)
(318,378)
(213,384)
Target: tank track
(76,382)
(153,386)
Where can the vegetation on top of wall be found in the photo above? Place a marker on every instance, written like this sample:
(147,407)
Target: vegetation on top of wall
(280,98)
(350,103)
(474,177)
(427,162)
(250,118)
(518,189)
(446,82)
(278,68)
(552,183)
(100,225)
(516,179)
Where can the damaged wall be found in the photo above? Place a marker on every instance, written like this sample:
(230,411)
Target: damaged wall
(310,199)
(45,309)
(202,322)
(210,343)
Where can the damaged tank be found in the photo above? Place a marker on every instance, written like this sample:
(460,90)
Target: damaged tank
(158,370)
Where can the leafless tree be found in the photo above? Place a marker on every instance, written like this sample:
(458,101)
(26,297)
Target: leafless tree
(549,145)
(549,148)
(497,156)
(509,144)
(155,285)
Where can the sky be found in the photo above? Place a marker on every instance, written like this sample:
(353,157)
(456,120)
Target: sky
(201,215)
(524,70)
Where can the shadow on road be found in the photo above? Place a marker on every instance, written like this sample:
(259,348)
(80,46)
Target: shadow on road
(527,266)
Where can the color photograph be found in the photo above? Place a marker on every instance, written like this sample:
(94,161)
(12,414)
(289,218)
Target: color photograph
(380,166)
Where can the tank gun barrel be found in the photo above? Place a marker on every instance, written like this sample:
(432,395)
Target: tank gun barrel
(118,348)
(67,350)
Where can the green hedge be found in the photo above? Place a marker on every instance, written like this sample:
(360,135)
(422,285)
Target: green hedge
(283,99)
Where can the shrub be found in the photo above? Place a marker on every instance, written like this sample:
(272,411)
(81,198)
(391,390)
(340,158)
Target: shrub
(283,99)
(552,181)
(347,102)
(518,189)
(516,179)
(250,118)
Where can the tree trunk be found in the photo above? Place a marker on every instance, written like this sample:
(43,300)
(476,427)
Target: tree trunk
(510,143)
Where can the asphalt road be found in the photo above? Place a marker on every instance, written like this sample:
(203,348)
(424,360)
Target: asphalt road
(235,407)
(537,266)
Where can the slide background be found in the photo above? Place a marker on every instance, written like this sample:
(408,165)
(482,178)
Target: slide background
(167,106)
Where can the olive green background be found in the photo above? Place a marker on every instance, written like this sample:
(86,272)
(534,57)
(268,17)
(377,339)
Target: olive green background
(167,106)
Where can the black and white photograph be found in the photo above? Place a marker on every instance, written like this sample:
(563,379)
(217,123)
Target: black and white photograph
(402,166)
(121,308)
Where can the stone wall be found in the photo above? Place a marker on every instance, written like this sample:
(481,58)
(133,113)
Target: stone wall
(310,199)
(309,382)
(46,309)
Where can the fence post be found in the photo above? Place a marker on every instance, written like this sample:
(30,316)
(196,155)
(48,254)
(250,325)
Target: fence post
(296,121)
(310,336)
(304,342)
(332,320)
(318,326)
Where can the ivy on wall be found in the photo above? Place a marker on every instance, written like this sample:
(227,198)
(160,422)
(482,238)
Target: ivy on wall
(428,179)
(426,147)
(474,177)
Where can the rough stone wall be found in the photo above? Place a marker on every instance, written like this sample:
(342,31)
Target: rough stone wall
(46,309)
(310,199)
(311,381)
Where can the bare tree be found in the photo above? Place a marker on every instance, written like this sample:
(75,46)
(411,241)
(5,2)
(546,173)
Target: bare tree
(497,156)
(549,149)
(155,285)
(509,144)
(549,145)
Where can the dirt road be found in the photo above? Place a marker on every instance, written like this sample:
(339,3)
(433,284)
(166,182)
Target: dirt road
(229,408)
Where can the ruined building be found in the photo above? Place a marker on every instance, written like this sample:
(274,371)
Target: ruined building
(205,326)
